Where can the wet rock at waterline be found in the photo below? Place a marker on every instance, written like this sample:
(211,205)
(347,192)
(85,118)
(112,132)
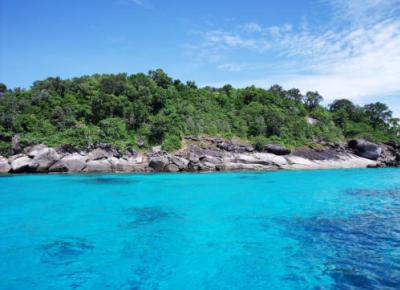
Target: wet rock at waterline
(4,165)
(203,154)
(74,162)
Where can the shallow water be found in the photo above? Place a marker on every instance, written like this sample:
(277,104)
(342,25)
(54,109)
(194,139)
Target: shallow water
(332,229)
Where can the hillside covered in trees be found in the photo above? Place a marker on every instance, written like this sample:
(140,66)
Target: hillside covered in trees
(153,109)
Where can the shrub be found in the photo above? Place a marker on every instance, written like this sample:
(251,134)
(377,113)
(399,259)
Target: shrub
(171,143)
(259,142)
(113,129)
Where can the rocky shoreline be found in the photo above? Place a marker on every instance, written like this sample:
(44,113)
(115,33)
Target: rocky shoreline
(199,155)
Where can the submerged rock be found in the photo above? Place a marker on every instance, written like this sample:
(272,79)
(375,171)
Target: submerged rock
(147,215)
(65,251)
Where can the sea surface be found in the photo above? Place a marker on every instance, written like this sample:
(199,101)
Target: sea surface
(328,229)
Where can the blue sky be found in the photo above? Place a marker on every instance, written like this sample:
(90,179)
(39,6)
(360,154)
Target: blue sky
(342,48)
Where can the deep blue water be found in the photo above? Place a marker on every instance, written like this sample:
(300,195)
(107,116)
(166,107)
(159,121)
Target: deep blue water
(332,229)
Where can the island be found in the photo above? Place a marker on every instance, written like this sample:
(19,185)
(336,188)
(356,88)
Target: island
(153,123)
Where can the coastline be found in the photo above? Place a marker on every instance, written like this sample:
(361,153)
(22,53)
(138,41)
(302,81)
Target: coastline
(200,155)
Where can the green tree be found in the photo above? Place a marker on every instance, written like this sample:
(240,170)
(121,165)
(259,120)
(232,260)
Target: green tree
(161,78)
(113,129)
(113,108)
(3,89)
(378,113)
(295,95)
(312,100)
(171,143)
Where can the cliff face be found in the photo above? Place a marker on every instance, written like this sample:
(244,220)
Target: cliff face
(202,154)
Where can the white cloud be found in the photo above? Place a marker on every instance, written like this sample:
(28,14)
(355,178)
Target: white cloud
(358,64)
(223,39)
(359,12)
(357,58)
(231,67)
(251,27)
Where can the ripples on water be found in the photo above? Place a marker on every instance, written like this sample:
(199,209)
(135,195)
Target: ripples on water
(286,230)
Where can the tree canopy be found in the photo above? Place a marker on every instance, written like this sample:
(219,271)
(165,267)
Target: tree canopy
(119,109)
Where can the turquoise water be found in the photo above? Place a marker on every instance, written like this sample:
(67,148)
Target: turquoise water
(332,229)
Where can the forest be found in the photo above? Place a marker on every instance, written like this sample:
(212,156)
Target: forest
(144,110)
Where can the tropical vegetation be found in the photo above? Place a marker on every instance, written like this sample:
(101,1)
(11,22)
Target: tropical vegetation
(153,109)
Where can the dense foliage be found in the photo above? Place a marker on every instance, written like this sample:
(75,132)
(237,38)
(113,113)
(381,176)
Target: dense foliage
(122,109)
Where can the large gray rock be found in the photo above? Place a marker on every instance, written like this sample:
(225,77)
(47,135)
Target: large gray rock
(227,146)
(59,166)
(139,158)
(248,148)
(35,150)
(390,155)
(265,159)
(193,158)
(211,159)
(206,166)
(365,149)
(142,167)
(181,162)
(70,163)
(4,165)
(123,165)
(22,164)
(171,168)
(276,149)
(99,153)
(14,157)
(98,166)
(244,166)
(42,158)
(159,163)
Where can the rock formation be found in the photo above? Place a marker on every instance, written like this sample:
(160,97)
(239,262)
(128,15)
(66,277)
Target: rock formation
(202,154)
(366,149)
